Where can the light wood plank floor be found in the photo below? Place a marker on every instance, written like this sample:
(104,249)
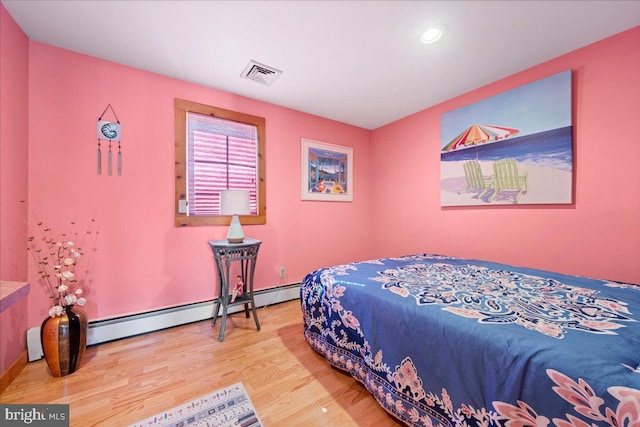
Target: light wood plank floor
(125,381)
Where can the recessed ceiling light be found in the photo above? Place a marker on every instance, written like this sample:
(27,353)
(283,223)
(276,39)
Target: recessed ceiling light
(433,34)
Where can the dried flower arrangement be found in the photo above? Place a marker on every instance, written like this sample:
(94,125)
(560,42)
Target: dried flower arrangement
(57,257)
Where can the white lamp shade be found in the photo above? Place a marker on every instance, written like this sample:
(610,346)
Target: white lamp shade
(234,202)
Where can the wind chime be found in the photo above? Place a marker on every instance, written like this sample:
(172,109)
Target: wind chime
(111,131)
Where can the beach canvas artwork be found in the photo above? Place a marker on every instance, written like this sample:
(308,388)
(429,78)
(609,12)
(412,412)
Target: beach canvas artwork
(512,148)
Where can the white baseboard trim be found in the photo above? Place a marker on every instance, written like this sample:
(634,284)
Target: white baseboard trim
(107,330)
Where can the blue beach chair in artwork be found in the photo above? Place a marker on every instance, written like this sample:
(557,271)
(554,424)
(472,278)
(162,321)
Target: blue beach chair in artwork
(507,178)
(476,181)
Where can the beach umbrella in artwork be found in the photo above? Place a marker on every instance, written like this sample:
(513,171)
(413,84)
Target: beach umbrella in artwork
(479,134)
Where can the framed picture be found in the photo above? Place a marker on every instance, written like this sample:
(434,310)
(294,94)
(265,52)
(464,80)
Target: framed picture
(513,148)
(327,172)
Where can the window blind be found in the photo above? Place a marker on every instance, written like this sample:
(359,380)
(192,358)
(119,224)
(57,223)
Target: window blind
(221,154)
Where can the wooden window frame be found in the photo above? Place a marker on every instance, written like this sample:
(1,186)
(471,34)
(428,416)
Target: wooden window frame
(181,107)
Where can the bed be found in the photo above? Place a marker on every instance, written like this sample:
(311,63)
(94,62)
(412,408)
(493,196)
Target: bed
(454,342)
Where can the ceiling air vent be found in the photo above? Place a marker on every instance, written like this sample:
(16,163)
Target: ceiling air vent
(260,73)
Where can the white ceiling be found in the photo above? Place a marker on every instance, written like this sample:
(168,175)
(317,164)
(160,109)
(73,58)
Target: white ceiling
(358,62)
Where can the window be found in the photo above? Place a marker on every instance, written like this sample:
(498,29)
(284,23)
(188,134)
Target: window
(217,149)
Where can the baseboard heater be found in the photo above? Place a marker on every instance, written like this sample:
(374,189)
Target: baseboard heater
(106,330)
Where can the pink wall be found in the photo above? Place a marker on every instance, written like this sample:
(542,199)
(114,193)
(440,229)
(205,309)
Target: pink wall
(14,66)
(141,260)
(598,235)
(14,63)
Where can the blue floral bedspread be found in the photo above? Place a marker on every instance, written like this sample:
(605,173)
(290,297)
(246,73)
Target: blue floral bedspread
(442,341)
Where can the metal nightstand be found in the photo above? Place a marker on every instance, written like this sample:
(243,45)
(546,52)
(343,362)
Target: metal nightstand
(225,253)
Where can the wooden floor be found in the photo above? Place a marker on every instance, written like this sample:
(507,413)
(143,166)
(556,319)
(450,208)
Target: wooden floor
(125,381)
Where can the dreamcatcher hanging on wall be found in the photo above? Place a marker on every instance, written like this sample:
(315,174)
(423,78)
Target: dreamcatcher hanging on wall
(112,132)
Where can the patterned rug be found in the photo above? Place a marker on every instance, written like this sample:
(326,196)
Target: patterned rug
(227,407)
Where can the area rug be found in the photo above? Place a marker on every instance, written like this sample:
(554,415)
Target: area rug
(227,407)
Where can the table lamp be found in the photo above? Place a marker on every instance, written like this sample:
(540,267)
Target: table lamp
(234,202)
